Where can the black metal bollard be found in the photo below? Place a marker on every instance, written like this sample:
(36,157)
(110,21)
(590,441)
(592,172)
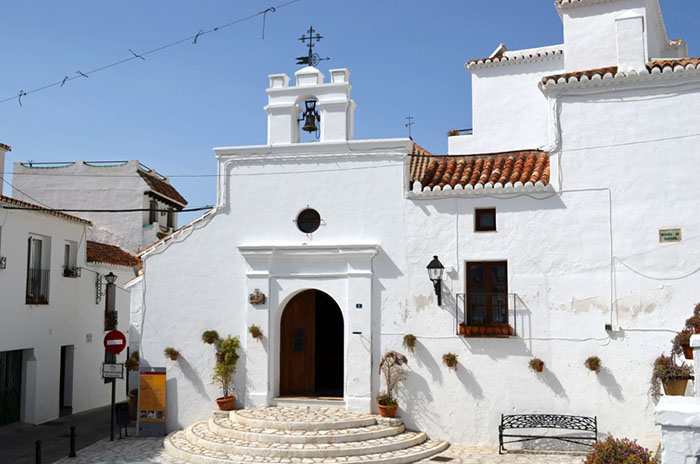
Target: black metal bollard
(37,448)
(72,442)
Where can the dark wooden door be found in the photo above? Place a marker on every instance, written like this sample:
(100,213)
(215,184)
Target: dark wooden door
(10,386)
(298,346)
(487,293)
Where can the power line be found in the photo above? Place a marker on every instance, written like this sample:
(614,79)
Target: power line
(133,210)
(136,56)
(15,188)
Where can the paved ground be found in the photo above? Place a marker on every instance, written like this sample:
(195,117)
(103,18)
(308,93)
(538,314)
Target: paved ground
(150,450)
(17,440)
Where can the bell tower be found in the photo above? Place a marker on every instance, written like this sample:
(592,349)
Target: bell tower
(286,104)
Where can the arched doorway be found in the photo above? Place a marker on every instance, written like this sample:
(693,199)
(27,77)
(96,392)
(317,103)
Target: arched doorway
(312,346)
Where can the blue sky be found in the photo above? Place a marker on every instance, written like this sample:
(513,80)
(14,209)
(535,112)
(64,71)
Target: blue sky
(405,58)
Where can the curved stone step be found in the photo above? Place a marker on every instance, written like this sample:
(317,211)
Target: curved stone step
(304,418)
(223,426)
(200,435)
(177,445)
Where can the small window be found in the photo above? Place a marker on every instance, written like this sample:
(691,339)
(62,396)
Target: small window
(171,221)
(38,253)
(485,220)
(308,221)
(152,206)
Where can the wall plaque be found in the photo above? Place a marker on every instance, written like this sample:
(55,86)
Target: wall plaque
(670,235)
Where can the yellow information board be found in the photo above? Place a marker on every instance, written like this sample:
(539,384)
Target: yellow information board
(151,416)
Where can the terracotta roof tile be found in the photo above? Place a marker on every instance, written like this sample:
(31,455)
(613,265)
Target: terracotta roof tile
(655,66)
(109,254)
(481,171)
(525,57)
(418,163)
(162,187)
(19,204)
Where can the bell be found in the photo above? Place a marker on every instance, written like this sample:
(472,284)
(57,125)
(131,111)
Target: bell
(310,123)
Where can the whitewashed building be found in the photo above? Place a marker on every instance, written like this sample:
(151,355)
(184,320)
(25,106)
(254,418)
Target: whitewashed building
(52,312)
(110,185)
(565,222)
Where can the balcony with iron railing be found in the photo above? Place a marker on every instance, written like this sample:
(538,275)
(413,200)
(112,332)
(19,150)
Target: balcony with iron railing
(71,271)
(37,286)
(488,314)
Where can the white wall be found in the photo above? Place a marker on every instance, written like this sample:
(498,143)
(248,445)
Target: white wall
(99,186)
(69,317)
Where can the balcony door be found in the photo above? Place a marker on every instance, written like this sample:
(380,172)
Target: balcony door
(487,293)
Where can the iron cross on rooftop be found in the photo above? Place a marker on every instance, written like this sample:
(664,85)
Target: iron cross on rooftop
(312,59)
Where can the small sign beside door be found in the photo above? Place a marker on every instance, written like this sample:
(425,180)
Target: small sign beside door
(670,235)
(112,370)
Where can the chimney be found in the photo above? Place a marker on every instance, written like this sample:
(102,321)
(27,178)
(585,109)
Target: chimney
(631,44)
(3,149)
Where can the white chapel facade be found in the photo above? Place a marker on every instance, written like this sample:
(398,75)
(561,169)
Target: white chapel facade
(546,219)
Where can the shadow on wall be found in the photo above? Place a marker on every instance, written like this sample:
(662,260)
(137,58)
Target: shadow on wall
(171,413)
(607,380)
(415,400)
(192,377)
(424,358)
(469,381)
(548,378)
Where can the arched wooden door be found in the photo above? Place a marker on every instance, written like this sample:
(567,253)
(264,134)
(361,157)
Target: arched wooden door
(311,346)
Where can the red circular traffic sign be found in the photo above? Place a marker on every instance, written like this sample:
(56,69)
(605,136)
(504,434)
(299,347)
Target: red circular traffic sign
(115,342)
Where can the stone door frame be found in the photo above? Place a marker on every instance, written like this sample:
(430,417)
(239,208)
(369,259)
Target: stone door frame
(280,272)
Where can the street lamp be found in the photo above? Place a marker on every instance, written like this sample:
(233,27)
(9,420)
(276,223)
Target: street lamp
(111,278)
(435,271)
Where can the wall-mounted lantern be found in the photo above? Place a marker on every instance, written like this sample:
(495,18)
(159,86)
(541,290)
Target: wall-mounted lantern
(435,271)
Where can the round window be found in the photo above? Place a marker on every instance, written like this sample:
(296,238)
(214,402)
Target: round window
(308,221)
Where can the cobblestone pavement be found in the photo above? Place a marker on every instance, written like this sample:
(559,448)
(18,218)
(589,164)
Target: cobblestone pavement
(150,450)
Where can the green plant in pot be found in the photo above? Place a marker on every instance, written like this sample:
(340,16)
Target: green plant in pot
(391,366)
(536,364)
(593,364)
(693,322)
(171,353)
(669,374)
(226,359)
(409,342)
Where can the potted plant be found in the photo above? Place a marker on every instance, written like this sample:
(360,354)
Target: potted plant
(409,342)
(226,359)
(614,451)
(693,322)
(463,328)
(391,366)
(255,332)
(171,353)
(132,361)
(536,364)
(681,344)
(450,360)
(593,364)
(672,376)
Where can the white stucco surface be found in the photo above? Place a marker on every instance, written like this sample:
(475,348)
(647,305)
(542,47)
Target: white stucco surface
(582,255)
(71,318)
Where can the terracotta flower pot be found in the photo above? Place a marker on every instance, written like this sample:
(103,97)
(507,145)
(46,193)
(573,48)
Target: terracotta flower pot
(675,387)
(539,368)
(174,356)
(387,411)
(226,403)
(510,330)
(462,329)
(688,351)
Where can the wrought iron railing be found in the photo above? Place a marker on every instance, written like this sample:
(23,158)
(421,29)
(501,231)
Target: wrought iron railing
(37,286)
(71,271)
(488,314)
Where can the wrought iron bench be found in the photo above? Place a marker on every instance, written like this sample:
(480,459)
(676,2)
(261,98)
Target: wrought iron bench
(588,426)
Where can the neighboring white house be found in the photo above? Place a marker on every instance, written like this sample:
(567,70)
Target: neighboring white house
(53,313)
(115,185)
(548,220)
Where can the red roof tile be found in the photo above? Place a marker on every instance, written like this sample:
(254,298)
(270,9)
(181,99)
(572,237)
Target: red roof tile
(472,170)
(109,254)
(23,205)
(162,187)
(419,163)
(659,65)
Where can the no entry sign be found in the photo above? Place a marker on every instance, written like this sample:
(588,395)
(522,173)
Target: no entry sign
(115,342)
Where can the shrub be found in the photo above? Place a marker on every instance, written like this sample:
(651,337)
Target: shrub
(450,360)
(680,341)
(536,364)
(665,368)
(593,363)
(255,331)
(409,342)
(210,337)
(391,366)
(624,451)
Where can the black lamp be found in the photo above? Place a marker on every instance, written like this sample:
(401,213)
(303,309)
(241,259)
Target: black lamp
(435,271)
(111,278)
